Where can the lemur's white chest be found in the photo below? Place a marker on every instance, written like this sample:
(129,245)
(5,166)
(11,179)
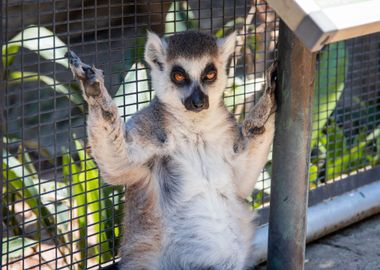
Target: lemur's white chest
(203,165)
(209,221)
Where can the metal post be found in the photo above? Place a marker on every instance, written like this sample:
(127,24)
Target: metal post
(291,154)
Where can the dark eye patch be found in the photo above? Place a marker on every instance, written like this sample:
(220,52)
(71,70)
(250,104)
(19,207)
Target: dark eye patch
(179,70)
(209,68)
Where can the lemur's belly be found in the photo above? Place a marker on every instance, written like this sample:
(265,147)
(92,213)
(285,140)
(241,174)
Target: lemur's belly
(208,226)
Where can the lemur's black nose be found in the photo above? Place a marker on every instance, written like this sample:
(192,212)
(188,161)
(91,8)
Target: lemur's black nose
(197,101)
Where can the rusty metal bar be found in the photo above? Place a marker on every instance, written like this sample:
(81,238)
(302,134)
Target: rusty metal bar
(291,154)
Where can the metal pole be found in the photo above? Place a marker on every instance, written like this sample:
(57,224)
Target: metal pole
(291,154)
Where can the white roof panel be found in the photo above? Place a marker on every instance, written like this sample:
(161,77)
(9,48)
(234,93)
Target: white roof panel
(318,22)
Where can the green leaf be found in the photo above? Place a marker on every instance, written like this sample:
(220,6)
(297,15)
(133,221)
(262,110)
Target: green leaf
(71,171)
(39,40)
(179,18)
(350,158)
(329,85)
(229,25)
(336,144)
(17,178)
(13,246)
(19,77)
(90,182)
(257,201)
(134,92)
(313,173)
(25,159)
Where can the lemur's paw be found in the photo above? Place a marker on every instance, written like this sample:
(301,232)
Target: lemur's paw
(254,124)
(255,121)
(90,76)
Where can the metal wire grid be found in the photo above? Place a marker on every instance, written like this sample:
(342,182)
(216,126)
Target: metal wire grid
(346,117)
(50,184)
(39,118)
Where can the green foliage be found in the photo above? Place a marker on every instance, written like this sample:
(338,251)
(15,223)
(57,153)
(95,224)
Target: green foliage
(341,157)
(46,45)
(94,205)
(338,154)
(328,86)
(39,40)
(18,180)
(97,211)
(21,183)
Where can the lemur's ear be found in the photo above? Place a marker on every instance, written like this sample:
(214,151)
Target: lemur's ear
(227,46)
(155,51)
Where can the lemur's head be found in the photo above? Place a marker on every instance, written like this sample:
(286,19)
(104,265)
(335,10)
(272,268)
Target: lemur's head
(188,69)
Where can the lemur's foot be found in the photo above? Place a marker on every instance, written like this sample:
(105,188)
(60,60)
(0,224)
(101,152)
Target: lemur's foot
(255,121)
(91,77)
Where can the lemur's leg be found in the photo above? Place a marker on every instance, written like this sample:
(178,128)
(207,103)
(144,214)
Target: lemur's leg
(258,132)
(106,131)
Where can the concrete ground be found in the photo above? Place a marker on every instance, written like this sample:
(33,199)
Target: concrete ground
(354,248)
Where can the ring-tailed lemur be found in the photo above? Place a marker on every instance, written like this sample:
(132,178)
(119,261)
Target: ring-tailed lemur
(188,166)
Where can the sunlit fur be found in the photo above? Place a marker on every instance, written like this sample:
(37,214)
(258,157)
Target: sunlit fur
(187,173)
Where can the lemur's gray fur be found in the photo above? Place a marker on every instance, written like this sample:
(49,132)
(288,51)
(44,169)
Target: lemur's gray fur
(188,166)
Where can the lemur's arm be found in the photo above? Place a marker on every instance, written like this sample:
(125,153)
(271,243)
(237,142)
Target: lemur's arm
(118,153)
(257,137)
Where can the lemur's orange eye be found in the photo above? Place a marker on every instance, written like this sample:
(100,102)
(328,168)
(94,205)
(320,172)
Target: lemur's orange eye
(211,75)
(179,77)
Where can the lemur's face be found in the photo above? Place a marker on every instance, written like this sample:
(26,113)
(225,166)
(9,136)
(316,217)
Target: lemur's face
(189,69)
(194,81)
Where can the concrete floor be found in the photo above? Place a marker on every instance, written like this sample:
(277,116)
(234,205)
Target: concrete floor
(354,248)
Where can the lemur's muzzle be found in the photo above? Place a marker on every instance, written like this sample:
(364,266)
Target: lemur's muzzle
(197,101)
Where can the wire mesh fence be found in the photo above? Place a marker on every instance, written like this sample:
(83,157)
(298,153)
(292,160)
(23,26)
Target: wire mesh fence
(56,211)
